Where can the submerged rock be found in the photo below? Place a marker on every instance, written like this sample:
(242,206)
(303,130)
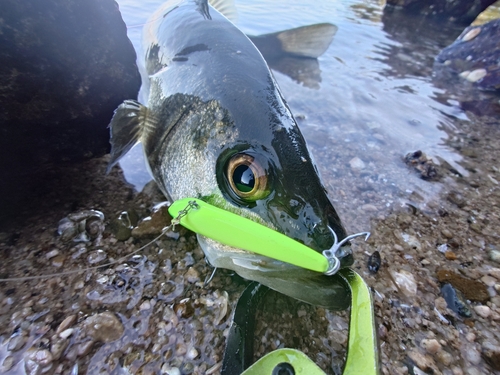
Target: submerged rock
(473,290)
(455,301)
(474,55)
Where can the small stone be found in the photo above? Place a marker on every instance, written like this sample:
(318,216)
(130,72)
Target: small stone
(412,241)
(483,311)
(357,164)
(494,255)
(192,275)
(58,261)
(104,327)
(146,305)
(473,355)
(450,255)
(96,256)
(57,348)
(7,364)
(153,225)
(445,358)
(476,75)
(192,354)
(369,208)
(84,348)
(495,272)
(488,280)
(471,34)
(431,346)
(492,357)
(446,233)
(66,333)
(423,362)
(405,282)
(52,254)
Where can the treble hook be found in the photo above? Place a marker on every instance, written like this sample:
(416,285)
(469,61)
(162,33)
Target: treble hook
(332,253)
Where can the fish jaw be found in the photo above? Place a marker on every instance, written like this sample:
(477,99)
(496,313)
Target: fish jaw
(307,286)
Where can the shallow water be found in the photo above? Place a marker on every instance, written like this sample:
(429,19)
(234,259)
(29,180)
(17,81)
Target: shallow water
(376,100)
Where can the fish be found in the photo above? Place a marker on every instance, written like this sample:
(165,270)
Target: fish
(216,127)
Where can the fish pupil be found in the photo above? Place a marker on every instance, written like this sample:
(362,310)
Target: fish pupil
(243,178)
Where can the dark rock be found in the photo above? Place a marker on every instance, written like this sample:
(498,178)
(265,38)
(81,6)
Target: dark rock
(492,357)
(423,165)
(472,290)
(374,262)
(457,11)
(66,65)
(455,300)
(474,55)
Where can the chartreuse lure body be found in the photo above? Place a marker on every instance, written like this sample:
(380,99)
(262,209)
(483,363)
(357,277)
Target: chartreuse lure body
(242,233)
(233,230)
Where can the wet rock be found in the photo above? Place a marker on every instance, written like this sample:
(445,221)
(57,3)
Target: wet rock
(66,323)
(431,346)
(456,11)
(96,256)
(184,308)
(83,226)
(456,198)
(357,164)
(66,65)
(153,225)
(374,262)
(104,327)
(427,169)
(455,300)
(482,311)
(494,255)
(122,226)
(38,361)
(405,282)
(492,356)
(424,362)
(473,290)
(474,55)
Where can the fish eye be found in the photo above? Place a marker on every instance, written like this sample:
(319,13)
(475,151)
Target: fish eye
(247,177)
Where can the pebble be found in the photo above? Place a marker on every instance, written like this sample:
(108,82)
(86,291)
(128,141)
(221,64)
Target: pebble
(431,346)
(494,255)
(495,272)
(357,164)
(96,256)
(153,225)
(192,275)
(473,355)
(476,75)
(66,333)
(192,353)
(104,327)
(471,34)
(424,362)
(447,233)
(450,255)
(488,280)
(483,311)
(52,254)
(405,282)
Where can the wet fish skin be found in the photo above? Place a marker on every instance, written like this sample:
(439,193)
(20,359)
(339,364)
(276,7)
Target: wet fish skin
(211,99)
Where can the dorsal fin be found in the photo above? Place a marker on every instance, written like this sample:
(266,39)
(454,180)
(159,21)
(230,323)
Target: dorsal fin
(130,123)
(227,8)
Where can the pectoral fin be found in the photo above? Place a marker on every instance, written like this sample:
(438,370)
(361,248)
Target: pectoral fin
(130,123)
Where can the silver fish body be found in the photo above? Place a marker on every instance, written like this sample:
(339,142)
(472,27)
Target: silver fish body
(216,127)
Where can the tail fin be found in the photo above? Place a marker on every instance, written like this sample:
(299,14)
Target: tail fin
(307,41)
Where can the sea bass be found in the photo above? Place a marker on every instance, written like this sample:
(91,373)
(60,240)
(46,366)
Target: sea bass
(216,127)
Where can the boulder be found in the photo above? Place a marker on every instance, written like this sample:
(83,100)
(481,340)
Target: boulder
(66,65)
(474,56)
(461,12)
